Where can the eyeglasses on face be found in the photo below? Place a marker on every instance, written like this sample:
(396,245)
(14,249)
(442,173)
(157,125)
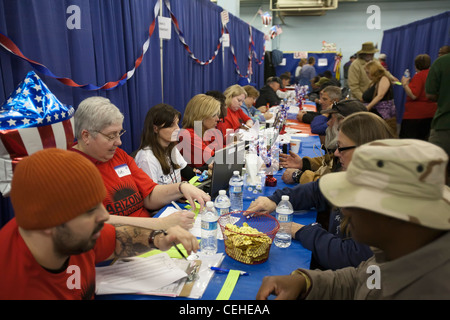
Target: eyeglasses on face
(112,136)
(341,149)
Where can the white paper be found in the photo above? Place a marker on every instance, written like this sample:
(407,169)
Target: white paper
(196,230)
(165,28)
(138,275)
(205,273)
(323,62)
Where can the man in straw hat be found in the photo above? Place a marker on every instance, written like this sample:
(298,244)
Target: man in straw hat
(59,231)
(358,81)
(395,197)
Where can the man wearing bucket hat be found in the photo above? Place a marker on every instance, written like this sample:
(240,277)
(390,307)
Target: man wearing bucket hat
(395,197)
(59,231)
(358,81)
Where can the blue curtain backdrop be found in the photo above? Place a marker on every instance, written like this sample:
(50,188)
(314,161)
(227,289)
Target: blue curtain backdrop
(292,63)
(107,45)
(200,20)
(404,43)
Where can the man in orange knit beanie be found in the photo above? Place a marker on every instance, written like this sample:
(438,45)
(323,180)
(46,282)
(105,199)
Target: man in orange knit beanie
(59,231)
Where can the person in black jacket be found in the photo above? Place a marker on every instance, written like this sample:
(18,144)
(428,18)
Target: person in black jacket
(268,93)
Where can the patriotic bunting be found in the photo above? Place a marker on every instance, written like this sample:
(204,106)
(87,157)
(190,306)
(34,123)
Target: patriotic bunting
(10,46)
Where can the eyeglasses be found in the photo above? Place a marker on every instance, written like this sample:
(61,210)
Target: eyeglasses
(113,136)
(341,149)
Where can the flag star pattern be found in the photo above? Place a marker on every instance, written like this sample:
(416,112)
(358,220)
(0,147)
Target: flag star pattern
(31,119)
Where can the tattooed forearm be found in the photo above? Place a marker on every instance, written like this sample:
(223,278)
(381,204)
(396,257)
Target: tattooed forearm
(131,241)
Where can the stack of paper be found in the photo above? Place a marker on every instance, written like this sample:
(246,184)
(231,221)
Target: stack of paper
(138,275)
(158,275)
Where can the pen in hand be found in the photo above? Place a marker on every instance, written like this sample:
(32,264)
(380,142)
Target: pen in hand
(176,247)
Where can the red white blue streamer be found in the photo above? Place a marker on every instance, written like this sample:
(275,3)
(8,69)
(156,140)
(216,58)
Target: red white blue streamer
(10,46)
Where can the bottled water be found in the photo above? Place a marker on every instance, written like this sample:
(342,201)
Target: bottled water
(222,203)
(208,243)
(284,213)
(407,74)
(236,186)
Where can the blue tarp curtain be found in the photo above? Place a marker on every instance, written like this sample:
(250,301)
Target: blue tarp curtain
(404,43)
(107,45)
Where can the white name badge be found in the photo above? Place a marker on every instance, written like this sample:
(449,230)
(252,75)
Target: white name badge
(122,170)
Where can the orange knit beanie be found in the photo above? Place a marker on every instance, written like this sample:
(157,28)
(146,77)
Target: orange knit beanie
(53,186)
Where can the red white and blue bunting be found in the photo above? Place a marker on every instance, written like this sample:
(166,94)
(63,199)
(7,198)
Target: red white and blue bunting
(11,47)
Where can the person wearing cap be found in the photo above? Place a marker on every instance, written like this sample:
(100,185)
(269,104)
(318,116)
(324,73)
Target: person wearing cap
(358,81)
(60,230)
(306,169)
(236,117)
(268,94)
(332,247)
(130,191)
(395,199)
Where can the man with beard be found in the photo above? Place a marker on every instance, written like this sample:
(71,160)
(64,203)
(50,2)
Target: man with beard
(59,232)
(306,169)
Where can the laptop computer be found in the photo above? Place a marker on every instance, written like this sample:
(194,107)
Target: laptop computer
(226,160)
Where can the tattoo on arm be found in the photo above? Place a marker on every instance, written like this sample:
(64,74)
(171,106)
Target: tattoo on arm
(131,241)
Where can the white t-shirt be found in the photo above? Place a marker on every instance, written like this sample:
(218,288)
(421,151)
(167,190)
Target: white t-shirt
(146,160)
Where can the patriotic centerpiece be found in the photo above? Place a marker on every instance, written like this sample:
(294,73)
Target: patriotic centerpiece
(300,93)
(31,119)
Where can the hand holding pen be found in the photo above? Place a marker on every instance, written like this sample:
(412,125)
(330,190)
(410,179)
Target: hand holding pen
(175,235)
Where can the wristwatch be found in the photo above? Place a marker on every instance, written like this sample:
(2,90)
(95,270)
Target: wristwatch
(179,186)
(152,236)
(296,175)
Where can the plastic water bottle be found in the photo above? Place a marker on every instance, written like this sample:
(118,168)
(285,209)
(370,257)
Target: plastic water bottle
(407,74)
(236,186)
(222,203)
(284,213)
(208,243)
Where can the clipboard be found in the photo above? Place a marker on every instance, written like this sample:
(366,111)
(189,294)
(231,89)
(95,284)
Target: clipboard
(192,272)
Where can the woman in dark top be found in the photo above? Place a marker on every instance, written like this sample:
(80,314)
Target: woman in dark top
(379,96)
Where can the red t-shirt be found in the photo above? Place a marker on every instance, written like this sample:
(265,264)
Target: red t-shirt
(421,108)
(22,278)
(126,184)
(233,117)
(195,150)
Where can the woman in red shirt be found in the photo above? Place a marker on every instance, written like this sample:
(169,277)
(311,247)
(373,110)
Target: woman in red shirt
(419,110)
(236,118)
(199,137)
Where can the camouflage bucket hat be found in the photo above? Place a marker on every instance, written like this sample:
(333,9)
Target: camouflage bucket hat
(401,178)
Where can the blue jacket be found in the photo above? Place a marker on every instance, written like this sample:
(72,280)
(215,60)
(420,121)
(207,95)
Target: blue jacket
(331,249)
(319,125)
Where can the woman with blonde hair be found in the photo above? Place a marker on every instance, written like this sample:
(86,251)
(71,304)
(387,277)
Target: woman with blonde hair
(199,137)
(236,118)
(379,97)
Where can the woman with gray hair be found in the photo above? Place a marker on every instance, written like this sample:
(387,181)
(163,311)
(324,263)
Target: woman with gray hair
(130,191)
